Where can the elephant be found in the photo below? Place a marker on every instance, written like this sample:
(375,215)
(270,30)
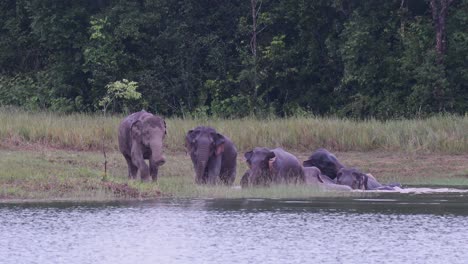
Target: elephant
(214,156)
(325,161)
(141,136)
(314,177)
(355,179)
(268,166)
(338,173)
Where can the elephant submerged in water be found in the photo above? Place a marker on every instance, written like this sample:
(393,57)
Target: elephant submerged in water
(267,166)
(213,156)
(329,165)
(314,177)
(355,179)
(141,136)
(325,161)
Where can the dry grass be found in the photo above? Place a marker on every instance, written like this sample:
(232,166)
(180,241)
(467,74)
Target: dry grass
(441,134)
(39,154)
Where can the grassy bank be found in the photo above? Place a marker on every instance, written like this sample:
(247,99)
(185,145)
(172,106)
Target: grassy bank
(42,157)
(77,175)
(441,134)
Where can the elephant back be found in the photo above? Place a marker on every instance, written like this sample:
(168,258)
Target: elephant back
(325,161)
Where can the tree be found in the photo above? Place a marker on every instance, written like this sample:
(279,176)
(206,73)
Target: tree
(439,9)
(119,90)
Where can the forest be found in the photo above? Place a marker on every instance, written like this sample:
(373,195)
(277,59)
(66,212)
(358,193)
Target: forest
(384,59)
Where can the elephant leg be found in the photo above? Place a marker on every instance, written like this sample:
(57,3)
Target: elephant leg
(132,169)
(214,169)
(245,182)
(153,170)
(143,169)
(231,177)
(139,161)
(228,175)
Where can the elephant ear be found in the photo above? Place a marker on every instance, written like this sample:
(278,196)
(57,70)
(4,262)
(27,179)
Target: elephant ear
(219,142)
(271,157)
(248,156)
(190,139)
(136,130)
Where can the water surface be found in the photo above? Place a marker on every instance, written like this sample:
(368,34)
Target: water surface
(386,228)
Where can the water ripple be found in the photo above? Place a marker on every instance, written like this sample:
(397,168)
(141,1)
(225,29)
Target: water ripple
(211,231)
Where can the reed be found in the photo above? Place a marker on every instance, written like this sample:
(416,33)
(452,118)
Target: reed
(443,133)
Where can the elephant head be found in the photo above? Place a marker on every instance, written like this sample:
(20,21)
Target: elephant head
(147,136)
(325,161)
(352,178)
(260,162)
(205,146)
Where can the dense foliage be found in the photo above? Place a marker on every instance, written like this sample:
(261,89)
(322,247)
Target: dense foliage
(383,58)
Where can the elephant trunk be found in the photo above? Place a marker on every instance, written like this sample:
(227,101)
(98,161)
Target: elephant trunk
(200,171)
(202,162)
(261,176)
(157,153)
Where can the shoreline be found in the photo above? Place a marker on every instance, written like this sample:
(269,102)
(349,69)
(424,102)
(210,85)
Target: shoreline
(50,175)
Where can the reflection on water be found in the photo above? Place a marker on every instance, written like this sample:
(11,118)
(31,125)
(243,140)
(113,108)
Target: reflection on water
(382,229)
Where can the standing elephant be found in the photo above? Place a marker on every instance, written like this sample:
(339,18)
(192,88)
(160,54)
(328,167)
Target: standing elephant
(325,161)
(358,180)
(141,137)
(271,166)
(213,156)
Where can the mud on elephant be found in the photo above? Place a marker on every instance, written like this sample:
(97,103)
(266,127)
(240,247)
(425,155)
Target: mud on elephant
(213,156)
(141,136)
(330,166)
(355,179)
(268,166)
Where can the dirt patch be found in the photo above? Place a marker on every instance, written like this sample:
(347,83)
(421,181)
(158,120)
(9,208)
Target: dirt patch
(389,164)
(124,190)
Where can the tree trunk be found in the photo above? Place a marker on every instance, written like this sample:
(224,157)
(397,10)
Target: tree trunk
(439,9)
(253,48)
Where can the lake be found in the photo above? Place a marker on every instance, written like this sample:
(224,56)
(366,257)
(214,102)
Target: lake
(382,228)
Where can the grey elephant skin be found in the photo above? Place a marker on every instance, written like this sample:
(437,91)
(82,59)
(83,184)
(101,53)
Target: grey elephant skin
(214,156)
(330,166)
(325,161)
(267,166)
(355,179)
(313,177)
(141,136)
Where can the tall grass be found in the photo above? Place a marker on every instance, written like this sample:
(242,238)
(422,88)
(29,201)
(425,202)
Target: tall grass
(444,133)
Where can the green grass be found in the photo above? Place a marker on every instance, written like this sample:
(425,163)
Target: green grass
(78,175)
(71,175)
(48,161)
(442,134)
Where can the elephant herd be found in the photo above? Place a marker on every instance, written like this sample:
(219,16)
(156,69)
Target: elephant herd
(214,158)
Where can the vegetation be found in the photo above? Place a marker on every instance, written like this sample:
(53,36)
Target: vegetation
(39,157)
(443,133)
(340,74)
(361,59)
(45,174)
